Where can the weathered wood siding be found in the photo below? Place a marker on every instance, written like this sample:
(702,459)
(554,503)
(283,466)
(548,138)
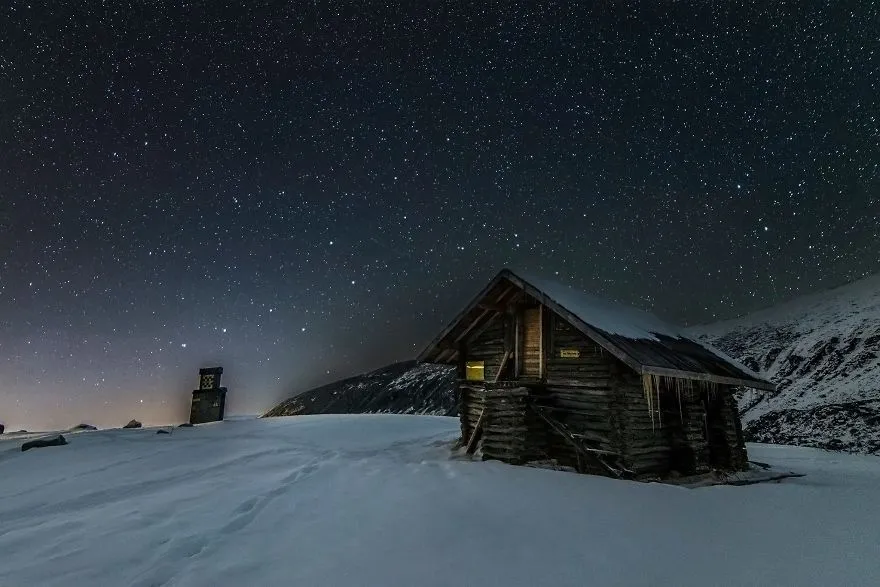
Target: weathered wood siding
(727,447)
(472,398)
(489,346)
(531,345)
(592,368)
(505,431)
(643,442)
(578,392)
(596,398)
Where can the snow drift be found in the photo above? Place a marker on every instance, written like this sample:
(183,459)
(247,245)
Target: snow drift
(377,500)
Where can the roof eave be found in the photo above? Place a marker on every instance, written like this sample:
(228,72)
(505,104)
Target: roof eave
(719,379)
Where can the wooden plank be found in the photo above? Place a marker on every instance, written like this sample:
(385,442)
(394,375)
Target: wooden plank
(531,342)
(470,327)
(501,367)
(472,443)
(602,383)
(541,341)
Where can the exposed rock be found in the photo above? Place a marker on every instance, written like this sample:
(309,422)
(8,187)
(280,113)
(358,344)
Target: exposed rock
(185,425)
(84,427)
(133,424)
(2,428)
(400,388)
(44,442)
(162,431)
(823,352)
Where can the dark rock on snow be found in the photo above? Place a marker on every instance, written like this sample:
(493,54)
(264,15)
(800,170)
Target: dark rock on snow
(162,431)
(84,427)
(2,428)
(44,442)
(133,424)
(185,425)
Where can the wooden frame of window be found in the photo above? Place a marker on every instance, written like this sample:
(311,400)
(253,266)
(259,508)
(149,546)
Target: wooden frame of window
(475,370)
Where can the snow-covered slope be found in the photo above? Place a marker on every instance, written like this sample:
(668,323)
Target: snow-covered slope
(376,500)
(400,388)
(823,351)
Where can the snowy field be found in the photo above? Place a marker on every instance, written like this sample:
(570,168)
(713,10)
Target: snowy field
(376,500)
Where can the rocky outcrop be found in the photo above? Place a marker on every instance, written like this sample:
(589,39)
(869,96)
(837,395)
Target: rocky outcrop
(853,426)
(84,427)
(57,440)
(400,388)
(133,424)
(823,352)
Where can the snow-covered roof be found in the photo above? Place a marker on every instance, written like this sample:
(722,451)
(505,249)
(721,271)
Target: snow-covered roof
(603,314)
(641,340)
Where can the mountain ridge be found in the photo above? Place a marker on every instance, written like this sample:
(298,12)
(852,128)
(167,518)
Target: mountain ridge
(823,352)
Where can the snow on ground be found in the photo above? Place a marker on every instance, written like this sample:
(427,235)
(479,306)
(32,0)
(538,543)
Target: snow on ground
(376,500)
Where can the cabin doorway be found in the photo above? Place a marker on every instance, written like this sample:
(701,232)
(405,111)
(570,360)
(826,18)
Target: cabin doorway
(531,344)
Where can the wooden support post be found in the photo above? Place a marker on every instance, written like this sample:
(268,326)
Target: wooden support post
(475,435)
(501,367)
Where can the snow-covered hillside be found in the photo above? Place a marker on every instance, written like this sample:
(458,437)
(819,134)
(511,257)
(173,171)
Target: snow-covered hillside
(823,351)
(377,500)
(399,388)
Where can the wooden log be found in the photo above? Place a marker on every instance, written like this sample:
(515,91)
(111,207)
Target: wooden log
(472,442)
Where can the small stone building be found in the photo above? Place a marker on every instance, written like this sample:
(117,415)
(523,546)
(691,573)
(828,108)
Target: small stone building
(549,373)
(209,400)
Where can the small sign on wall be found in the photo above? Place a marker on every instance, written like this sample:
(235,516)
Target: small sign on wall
(569,353)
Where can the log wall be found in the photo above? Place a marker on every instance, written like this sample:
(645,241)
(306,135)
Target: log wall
(472,400)
(726,444)
(489,346)
(591,366)
(505,431)
(644,442)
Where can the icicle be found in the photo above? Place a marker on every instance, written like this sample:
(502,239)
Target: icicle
(678,393)
(659,411)
(646,388)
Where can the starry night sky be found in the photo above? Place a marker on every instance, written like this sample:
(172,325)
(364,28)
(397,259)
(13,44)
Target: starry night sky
(301,191)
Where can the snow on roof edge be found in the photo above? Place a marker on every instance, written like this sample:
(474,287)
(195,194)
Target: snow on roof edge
(619,319)
(611,317)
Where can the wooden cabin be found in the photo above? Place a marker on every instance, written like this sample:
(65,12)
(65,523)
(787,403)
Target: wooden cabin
(551,374)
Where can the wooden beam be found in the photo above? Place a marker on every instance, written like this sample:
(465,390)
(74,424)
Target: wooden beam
(482,328)
(566,434)
(475,435)
(501,367)
(429,350)
(471,326)
(541,361)
(442,356)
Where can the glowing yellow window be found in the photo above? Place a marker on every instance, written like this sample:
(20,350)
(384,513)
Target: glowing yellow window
(475,370)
